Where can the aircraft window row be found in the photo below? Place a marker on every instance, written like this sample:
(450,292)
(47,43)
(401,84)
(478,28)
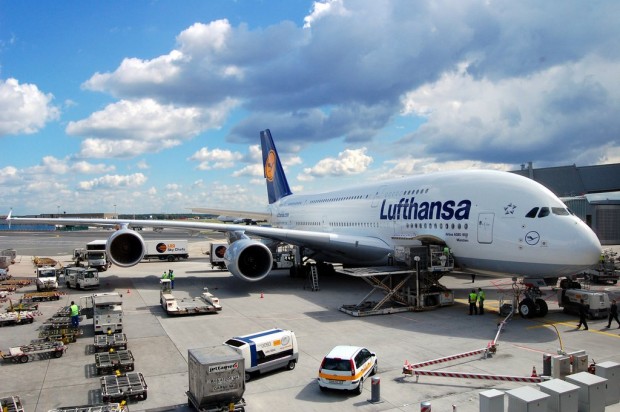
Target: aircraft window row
(354,224)
(338,199)
(546,211)
(390,195)
(436,226)
(415,192)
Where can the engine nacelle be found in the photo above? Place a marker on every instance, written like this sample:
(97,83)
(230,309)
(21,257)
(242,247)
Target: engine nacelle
(248,259)
(125,248)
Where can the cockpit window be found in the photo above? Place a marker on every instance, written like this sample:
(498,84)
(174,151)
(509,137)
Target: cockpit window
(544,211)
(560,211)
(532,213)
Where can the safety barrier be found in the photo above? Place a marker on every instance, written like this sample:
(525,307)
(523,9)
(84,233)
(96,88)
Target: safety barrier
(409,367)
(506,378)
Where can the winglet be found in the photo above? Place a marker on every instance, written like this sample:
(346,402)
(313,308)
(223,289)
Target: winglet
(8,218)
(277,186)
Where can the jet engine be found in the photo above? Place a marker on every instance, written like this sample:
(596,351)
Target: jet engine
(248,259)
(125,248)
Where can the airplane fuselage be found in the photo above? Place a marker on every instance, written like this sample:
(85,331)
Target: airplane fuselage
(487,229)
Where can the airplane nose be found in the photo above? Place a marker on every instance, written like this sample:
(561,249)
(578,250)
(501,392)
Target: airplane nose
(588,248)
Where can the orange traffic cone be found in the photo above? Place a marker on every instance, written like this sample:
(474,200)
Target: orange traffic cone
(534,374)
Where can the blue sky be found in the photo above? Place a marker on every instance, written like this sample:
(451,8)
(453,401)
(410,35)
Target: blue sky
(156,106)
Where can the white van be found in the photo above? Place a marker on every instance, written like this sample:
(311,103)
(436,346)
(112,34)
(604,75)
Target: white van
(267,350)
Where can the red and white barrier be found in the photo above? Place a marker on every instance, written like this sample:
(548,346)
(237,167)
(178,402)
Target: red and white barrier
(506,378)
(409,367)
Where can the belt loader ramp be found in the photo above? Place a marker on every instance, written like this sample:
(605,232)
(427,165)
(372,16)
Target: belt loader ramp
(412,285)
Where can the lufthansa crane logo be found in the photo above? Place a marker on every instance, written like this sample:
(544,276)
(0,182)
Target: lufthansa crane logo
(532,238)
(270,165)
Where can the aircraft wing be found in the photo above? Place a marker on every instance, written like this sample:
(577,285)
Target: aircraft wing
(241,215)
(331,244)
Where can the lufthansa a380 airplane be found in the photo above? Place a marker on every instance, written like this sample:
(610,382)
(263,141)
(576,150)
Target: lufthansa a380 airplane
(493,222)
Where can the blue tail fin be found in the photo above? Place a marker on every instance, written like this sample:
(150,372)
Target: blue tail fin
(277,186)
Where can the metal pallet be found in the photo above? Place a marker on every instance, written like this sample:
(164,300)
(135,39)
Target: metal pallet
(104,343)
(108,362)
(118,388)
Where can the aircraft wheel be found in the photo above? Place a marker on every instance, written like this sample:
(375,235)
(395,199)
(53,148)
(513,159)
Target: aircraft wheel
(527,308)
(542,307)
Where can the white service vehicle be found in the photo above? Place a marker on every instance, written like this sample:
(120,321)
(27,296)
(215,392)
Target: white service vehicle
(81,278)
(106,310)
(598,302)
(46,278)
(96,255)
(169,250)
(266,351)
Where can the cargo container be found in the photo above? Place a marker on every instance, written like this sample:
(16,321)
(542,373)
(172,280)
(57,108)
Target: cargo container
(216,379)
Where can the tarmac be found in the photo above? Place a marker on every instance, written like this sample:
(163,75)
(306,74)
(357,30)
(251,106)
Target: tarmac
(160,343)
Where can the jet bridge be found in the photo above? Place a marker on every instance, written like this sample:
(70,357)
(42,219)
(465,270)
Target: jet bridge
(411,284)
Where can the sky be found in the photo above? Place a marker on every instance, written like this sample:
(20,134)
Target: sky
(157,106)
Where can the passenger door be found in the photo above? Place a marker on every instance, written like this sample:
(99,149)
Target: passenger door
(485,227)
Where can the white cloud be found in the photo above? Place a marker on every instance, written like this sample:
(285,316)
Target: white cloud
(555,112)
(114,181)
(24,108)
(349,162)
(129,128)
(215,159)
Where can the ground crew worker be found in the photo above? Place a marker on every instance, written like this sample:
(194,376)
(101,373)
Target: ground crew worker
(481,301)
(583,312)
(473,298)
(171,277)
(75,314)
(613,314)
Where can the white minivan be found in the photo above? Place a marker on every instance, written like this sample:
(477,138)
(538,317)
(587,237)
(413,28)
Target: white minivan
(267,350)
(346,368)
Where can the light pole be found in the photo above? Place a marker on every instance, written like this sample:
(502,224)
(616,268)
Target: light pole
(417,281)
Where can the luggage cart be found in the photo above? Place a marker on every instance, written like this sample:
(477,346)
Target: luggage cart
(123,388)
(16,318)
(67,335)
(22,306)
(116,341)
(11,404)
(41,296)
(108,362)
(59,322)
(22,354)
(103,407)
